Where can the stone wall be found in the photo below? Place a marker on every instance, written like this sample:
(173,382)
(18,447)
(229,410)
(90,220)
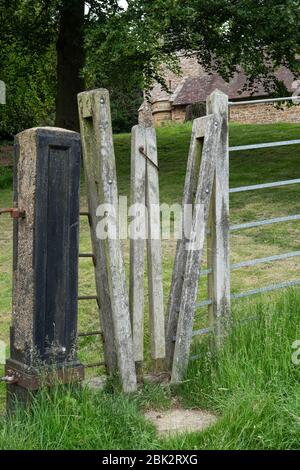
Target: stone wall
(244,114)
(162,112)
(178,114)
(265,114)
(189,67)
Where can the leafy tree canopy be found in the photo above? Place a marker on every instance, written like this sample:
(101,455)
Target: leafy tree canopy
(126,49)
(224,35)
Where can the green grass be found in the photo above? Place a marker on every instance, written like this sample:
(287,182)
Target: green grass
(237,384)
(252,385)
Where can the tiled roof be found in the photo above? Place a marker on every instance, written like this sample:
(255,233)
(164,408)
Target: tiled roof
(194,89)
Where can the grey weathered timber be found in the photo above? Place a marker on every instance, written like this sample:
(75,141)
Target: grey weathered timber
(45,259)
(195,246)
(145,192)
(100,169)
(218,239)
(190,187)
(91,161)
(156,301)
(137,244)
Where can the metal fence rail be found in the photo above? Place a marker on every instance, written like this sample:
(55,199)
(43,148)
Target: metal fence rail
(276,184)
(254,262)
(259,223)
(266,145)
(268,259)
(266,100)
(241,295)
(269,288)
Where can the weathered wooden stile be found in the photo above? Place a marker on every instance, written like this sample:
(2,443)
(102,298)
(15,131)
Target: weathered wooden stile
(101,180)
(208,129)
(145,203)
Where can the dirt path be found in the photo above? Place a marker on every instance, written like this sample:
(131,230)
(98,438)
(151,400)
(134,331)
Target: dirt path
(180,420)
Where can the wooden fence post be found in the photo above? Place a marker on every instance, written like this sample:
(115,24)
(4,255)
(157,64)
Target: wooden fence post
(156,300)
(195,246)
(137,245)
(145,192)
(190,188)
(99,162)
(91,161)
(218,238)
(45,261)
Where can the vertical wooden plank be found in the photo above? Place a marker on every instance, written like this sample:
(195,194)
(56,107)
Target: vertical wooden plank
(190,188)
(156,301)
(218,240)
(195,248)
(137,245)
(98,152)
(92,170)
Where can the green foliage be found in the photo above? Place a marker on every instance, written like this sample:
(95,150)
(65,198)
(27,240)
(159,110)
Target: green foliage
(124,107)
(30,89)
(226,34)
(223,34)
(27,64)
(107,67)
(126,50)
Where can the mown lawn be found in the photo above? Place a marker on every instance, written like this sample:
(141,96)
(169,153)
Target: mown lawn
(246,168)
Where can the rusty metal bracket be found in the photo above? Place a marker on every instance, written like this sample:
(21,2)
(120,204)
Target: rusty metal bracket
(10,378)
(142,151)
(14,212)
(33,379)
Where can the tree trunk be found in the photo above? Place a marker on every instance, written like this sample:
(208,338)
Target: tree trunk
(70,60)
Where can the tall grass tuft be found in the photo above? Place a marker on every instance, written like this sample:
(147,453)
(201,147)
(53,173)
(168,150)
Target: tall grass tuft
(252,383)
(76,419)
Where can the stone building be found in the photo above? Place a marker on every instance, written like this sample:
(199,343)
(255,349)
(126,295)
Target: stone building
(194,85)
